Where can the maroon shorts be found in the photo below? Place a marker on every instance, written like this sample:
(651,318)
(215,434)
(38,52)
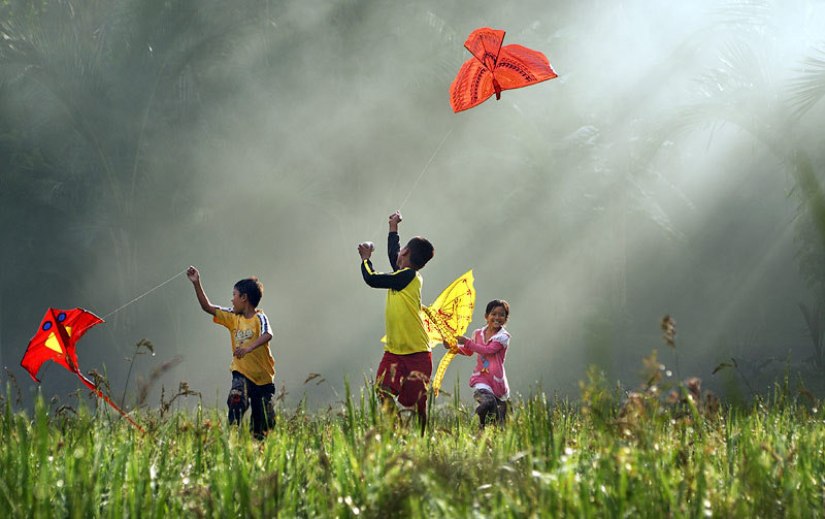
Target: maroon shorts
(406,376)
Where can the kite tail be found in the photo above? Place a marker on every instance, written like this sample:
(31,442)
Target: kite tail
(88,383)
(442,369)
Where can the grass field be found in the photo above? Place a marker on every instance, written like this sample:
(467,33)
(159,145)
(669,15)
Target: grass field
(610,455)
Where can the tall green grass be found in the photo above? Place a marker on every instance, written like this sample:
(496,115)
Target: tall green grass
(600,458)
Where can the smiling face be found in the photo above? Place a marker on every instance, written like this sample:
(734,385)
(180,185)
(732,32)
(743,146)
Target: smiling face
(239,301)
(496,317)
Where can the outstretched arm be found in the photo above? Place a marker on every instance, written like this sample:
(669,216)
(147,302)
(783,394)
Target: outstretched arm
(195,277)
(462,340)
(468,345)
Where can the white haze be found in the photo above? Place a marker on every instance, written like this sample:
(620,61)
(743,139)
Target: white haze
(544,194)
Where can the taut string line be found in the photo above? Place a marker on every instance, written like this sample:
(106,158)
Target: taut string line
(143,295)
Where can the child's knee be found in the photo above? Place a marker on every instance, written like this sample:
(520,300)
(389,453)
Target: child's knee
(236,401)
(488,407)
(384,393)
(485,400)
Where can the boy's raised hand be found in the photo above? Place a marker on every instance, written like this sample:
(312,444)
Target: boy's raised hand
(395,219)
(195,277)
(365,250)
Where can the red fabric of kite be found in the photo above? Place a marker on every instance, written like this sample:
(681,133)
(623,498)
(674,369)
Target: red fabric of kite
(55,339)
(494,68)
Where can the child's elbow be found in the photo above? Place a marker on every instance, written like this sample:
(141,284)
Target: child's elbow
(371,282)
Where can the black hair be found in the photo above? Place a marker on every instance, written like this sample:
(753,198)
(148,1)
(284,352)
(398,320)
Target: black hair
(495,303)
(421,251)
(252,289)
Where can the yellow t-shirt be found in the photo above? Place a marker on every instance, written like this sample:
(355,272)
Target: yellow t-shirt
(258,366)
(405,327)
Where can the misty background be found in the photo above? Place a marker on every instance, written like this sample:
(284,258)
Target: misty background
(674,167)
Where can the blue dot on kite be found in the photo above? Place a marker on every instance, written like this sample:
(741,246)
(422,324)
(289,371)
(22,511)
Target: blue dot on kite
(61,317)
(47,326)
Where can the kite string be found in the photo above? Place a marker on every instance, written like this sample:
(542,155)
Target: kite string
(143,295)
(426,167)
(421,175)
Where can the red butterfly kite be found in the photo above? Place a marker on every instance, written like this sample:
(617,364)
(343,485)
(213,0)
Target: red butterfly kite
(55,340)
(494,68)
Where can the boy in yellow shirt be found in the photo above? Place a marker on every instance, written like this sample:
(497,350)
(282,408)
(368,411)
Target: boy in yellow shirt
(253,368)
(406,366)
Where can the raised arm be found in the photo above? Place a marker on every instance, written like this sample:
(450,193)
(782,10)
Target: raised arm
(396,280)
(393,241)
(195,277)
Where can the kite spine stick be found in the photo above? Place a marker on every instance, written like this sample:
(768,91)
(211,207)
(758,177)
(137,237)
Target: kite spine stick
(96,390)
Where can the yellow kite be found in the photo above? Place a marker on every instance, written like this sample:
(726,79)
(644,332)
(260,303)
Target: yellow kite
(448,317)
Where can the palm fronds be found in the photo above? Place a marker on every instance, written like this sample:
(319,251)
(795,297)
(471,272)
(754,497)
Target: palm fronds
(808,87)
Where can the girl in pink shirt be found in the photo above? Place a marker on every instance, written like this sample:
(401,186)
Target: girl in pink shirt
(489,381)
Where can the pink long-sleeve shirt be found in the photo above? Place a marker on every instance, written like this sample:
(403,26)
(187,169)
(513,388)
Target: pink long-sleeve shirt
(489,371)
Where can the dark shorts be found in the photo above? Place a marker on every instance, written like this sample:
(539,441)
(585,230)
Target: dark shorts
(490,408)
(407,377)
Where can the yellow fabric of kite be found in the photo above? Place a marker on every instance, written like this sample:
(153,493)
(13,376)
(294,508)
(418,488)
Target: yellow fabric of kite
(448,317)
